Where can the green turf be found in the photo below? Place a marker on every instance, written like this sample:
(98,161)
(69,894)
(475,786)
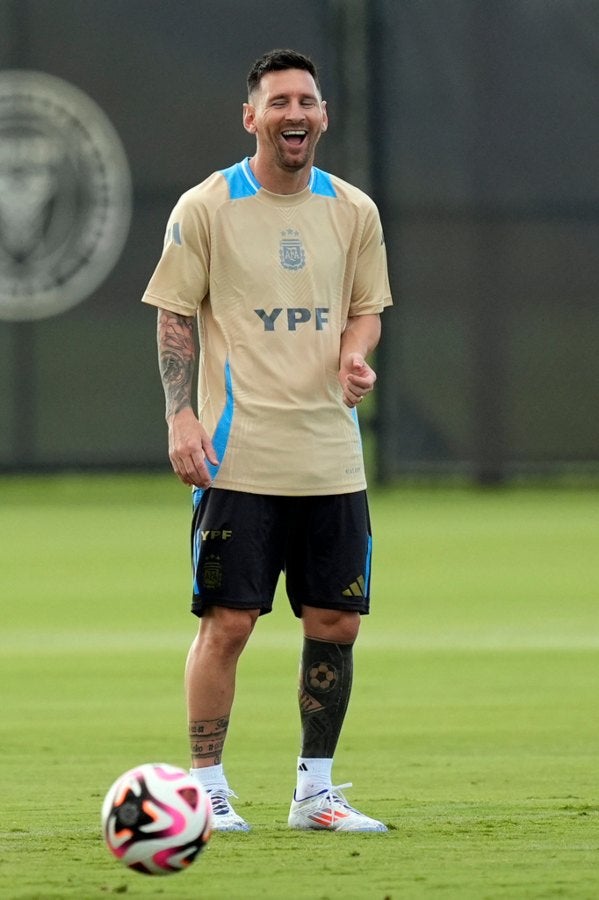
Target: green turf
(473,728)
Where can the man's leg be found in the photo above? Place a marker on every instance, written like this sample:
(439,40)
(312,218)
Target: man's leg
(210,686)
(326,675)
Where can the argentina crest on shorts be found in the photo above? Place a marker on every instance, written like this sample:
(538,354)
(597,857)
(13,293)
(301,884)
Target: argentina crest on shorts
(212,573)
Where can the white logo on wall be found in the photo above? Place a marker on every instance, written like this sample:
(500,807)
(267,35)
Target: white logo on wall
(65,195)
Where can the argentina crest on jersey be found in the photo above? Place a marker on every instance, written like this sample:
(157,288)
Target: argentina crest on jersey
(291,250)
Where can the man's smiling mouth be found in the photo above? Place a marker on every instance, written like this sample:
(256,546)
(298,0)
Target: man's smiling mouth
(294,136)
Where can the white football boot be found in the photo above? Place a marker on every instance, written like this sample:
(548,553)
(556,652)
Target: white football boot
(329,810)
(224,817)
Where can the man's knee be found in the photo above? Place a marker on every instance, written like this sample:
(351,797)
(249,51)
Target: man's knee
(227,630)
(335,625)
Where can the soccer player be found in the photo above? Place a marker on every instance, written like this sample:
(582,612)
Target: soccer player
(283,268)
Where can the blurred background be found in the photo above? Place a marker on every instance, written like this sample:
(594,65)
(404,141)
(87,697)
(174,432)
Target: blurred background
(474,126)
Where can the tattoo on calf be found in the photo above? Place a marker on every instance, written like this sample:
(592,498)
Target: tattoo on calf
(207,738)
(324,689)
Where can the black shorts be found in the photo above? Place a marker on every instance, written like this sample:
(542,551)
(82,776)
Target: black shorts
(242,542)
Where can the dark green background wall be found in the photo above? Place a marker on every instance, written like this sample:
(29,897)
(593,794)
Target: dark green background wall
(474,126)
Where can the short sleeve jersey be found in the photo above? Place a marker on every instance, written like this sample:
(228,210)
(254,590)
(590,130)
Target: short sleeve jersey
(273,279)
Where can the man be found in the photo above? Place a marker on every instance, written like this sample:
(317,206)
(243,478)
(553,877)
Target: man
(283,267)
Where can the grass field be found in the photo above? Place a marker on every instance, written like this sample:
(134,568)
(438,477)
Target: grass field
(473,729)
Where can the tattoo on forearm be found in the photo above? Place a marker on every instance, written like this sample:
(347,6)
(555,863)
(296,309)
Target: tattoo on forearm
(176,358)
(206,739)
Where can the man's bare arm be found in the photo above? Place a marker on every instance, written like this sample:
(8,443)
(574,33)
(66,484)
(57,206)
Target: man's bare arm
(189,444)
(176,358)
(360,337)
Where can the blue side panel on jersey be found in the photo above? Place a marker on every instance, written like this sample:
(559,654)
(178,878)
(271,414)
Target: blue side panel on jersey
(322,184)
(354,415)
(220,439)
(239,184)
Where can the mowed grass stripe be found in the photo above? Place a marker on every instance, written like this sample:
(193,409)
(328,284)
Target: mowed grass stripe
(472,729)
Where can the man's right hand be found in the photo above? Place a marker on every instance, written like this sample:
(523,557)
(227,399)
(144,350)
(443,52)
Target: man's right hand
(189,446)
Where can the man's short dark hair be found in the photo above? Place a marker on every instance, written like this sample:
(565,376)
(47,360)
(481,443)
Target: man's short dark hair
(279,61)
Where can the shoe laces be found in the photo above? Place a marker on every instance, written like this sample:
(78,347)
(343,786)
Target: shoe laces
(219,799)
(335,795)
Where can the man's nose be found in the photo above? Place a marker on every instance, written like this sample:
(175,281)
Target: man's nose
(295,111)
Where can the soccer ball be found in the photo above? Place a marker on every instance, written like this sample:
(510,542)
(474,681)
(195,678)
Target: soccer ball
(156,819)
(322,677)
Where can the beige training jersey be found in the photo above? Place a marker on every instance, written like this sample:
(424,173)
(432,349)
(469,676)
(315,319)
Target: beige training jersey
(272,279)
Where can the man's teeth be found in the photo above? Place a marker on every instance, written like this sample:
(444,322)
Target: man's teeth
(294,133)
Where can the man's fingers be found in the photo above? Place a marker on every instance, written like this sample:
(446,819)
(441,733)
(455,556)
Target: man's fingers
(365,381)
(189,455)
(210,454)
(190,470)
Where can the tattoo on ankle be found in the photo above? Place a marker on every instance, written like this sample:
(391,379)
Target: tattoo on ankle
(207,738)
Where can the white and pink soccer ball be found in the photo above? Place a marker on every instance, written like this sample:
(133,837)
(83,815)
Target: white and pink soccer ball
(156,819)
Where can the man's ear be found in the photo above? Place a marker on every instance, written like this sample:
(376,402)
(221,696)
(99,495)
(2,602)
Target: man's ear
(249,116)
(325,118)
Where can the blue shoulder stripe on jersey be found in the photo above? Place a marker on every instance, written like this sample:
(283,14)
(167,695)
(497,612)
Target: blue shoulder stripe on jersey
(320,183)
(241,181)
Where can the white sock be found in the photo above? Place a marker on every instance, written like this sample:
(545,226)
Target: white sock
(210,777)
(313,776)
